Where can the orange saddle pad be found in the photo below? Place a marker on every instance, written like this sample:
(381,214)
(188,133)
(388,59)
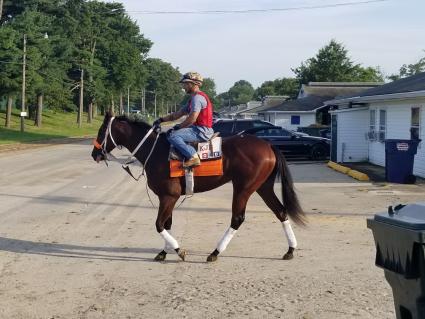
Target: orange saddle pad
(207,168)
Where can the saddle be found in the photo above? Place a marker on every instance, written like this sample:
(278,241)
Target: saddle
(208,150)
(210,154)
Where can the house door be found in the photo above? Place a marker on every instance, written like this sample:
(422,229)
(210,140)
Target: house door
(334,140)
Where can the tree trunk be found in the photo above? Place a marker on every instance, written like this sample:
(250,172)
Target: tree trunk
(90,113)
(39,114)
(121,104)
(9,110)
(80,108)
(112,105)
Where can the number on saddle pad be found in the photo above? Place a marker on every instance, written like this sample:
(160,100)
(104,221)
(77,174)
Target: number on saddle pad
(210,149)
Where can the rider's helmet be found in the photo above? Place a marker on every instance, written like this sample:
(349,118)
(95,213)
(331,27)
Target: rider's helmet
(192,77)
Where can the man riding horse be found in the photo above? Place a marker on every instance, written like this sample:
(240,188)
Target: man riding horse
(197,126)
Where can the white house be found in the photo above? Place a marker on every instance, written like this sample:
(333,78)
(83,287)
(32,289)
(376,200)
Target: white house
(309,108)
(360,124)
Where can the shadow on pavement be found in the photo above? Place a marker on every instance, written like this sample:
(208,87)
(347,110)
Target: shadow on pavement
(73,251)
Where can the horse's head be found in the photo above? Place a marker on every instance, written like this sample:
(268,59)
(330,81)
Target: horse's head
(103,143)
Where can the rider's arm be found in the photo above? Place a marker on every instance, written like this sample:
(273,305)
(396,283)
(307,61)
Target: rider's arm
(190,119)
(174,116)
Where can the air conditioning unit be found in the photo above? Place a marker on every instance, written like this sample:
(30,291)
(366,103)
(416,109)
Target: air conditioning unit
(381,136)
(371,136)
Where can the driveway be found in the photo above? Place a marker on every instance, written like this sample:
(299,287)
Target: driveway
(77,240)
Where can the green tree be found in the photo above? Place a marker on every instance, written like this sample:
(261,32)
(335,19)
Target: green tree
(163,79)
(409,70)
(241,92)
(284,86)
(10,67)
(332,64)
(209,88)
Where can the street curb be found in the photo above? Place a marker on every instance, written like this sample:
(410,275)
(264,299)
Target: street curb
(339,168)
(350,172)
(4,148)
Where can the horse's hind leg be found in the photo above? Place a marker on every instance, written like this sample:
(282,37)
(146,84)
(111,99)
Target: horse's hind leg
(240,200)
(266,192)
(163,254)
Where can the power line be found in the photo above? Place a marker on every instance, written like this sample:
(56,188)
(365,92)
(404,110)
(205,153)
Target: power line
(334,5)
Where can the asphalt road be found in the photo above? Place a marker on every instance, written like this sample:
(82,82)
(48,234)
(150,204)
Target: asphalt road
(77,240)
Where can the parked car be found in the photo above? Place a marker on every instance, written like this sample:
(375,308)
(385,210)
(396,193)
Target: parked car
(229,127)
(292,144)
(321,131)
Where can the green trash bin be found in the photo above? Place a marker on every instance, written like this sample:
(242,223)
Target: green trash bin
(400,245)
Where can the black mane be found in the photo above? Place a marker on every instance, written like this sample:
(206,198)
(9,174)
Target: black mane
(134,120)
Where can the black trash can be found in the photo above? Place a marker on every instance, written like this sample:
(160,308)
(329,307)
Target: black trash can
(400,250)
(399,160)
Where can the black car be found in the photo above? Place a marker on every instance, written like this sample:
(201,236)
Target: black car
(229,127)
(293,144)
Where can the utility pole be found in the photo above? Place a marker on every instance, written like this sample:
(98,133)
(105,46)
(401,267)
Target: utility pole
(24,66)
(80,110)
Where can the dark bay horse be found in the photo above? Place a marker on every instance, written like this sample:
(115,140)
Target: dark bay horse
(251,164)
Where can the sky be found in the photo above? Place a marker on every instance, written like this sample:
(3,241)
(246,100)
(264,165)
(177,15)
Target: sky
(264,46)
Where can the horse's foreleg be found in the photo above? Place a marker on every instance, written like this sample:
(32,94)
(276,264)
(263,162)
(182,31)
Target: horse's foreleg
(267,194)
(167,248)
(238,217)
(166,205)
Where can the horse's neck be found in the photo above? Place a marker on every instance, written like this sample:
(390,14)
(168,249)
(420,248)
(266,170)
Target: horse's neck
(133,140)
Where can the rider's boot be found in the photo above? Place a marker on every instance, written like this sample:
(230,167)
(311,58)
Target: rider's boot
(194,161)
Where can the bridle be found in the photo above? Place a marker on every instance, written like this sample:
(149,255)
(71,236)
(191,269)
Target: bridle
(125,165)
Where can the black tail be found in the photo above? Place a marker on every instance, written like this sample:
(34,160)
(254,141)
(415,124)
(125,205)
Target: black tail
(290,200)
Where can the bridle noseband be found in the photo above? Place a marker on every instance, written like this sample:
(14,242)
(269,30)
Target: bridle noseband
(102,146)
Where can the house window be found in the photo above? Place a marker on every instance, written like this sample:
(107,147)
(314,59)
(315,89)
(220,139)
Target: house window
(295,119)
(372,121)
(382,124)
(415,123)
(371,135)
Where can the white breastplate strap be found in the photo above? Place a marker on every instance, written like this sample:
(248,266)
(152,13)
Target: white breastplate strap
(169,240)
(225,240)
(142,141)
(289,233)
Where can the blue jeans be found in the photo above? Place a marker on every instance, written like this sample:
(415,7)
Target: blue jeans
(180,137)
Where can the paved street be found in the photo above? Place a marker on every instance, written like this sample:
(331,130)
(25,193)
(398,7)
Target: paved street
(77,240)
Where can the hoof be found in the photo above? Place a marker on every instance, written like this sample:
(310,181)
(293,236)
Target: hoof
(182,254)
(161,256)
(211,258)
(289,255)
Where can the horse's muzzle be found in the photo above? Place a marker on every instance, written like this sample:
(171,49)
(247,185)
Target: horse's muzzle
(97,155)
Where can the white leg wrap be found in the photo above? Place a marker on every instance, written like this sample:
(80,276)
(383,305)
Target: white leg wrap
(225,240)
(289,233)
(169,240)
(167,246)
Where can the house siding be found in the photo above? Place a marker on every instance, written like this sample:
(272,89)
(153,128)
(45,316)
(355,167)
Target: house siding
(351,135)
(284,120)
(398,127)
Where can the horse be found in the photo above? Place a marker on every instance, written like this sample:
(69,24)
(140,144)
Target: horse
(249,163)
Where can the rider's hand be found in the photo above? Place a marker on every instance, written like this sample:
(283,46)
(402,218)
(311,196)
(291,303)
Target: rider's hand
(158,122)
(176,127)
